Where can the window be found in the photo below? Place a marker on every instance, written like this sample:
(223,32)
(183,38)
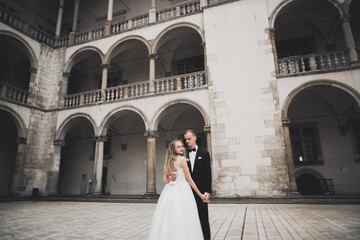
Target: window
(305,144)
(189,65)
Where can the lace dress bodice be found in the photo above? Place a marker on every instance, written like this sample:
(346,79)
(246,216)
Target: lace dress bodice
(180,176)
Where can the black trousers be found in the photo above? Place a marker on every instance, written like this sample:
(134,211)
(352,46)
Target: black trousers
(204,217)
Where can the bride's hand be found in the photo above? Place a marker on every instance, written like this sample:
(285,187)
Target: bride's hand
(204,199)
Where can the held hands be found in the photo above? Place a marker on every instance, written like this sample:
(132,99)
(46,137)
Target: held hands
(205,197)
(172,177)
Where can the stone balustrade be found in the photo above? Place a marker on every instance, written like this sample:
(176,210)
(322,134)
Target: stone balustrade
(183,9)
(116,27)
(311,63)
(163,85)
(23,26)
(139,21)
(13,94)
(89,35)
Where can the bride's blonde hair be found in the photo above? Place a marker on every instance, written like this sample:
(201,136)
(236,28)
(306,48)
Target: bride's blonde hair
(171,157)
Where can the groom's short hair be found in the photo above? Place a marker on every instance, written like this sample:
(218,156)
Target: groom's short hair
(190,131)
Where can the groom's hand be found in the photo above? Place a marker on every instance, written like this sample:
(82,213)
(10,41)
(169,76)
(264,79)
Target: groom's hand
(207,197)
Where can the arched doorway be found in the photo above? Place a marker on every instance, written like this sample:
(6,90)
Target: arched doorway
(308,184)
(125,153)
(323,133)
(15,63)
(77,157)
(180,51)
(8,149)
(86,72)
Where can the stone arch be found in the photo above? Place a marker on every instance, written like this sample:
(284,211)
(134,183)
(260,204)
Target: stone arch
(161,111)
(18,121)
(308,182)
(308,171)
(113,114)
(283,4)
(157,40)
(352,92)
(25,47)
(108,55)
(73,58)
(72,120)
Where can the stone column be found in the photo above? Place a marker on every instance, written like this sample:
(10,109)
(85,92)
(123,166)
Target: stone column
(75,22)
(289,157)
(59,19)
(151,163)
(152,12)
(98,164)
(107,29)
(349,40)
(17,182)
(152,57)
(52,186)
(31,95)
(105,71)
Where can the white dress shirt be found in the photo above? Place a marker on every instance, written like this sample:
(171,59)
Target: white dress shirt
(192,156)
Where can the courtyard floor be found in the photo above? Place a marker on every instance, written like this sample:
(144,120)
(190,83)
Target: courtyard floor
(131,221)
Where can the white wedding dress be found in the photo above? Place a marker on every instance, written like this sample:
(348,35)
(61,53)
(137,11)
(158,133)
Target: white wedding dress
(176,215)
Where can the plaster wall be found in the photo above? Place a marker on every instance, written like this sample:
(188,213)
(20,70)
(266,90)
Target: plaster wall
(245,111)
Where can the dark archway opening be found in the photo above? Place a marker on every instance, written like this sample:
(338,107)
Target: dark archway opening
(308,184)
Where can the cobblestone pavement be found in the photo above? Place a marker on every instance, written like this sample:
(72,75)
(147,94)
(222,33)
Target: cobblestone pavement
(131,221)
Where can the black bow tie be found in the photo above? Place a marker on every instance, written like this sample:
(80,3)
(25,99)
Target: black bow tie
(192,149)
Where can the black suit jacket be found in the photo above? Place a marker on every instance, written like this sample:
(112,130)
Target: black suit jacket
(202,170)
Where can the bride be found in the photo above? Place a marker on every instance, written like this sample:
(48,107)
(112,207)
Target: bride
(176,215)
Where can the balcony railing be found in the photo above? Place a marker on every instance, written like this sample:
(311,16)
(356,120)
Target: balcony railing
(139,21)
(116,27)
(13,94)
(312,63)
(139,89)
(176,11)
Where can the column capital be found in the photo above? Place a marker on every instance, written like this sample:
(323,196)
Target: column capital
(152,56)
(105,66)
(66,74)
(59,142)
(286,122)
(33,70)
(100,138)
(151,134)
(20,140)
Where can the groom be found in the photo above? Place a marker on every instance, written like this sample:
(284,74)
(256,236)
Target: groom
(200,169)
